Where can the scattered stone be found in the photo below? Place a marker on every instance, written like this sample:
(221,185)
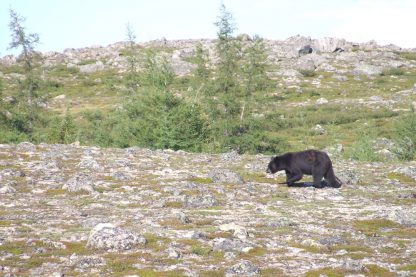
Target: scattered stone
(201,201)
(348,177)
(404,217)
(183,218)
(303,64)
(319,130)
(333,240)
(173,253)
(93,67)
(225,245)
(223,175)
(121,176)
(243,268)
(307,49)
(334,150)
(354,266)
(109,237)
(409,171)
(230,156)
(386,155)
(7,189)
(25,147)
(367,69)
(238,231)
(281,222)
(59,97)
(230,255)
(197,235)
(90,163)
(321,101)
(80,182)
(8,173)
(86,261)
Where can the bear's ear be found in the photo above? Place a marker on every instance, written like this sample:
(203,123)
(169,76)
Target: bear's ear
(272,158)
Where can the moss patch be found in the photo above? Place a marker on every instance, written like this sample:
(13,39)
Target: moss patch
(401,178)
(373,226)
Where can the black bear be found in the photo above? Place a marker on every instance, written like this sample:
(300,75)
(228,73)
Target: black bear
(309,162)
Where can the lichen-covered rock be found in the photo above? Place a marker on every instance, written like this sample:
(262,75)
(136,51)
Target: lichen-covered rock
(404,217)
(223,175)
(224,244)
(7,189)
(109,237)
(243,268)
(409,171)
(90,163)
(25,147)
(10,173)
(201,201)
(80,182)
(281,222)
(348,177)
(238,231)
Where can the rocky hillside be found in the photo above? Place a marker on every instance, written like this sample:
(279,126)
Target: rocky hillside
(75,210)
(325,92)
(79,210)
(298,53)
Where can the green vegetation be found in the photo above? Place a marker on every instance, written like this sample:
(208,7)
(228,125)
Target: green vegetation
(373,226)
(227,103)
(405,137)
(308,73)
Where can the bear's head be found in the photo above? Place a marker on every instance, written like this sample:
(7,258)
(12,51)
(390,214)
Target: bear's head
(274,165)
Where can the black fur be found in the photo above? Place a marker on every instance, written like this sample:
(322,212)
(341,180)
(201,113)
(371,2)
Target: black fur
(309,162)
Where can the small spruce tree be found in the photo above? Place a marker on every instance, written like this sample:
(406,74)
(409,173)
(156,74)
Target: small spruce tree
(228,50)
(29,86)
(132,77)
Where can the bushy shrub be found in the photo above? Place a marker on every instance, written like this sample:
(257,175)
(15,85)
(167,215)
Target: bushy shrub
(405,137)
(158,71)
(363,149)
(392,71)
(63,130)
(155,120)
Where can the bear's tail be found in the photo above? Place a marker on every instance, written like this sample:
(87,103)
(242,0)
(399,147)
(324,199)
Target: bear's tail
(333,180)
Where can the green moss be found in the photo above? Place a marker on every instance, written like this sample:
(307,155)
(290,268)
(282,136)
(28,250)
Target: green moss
(213,273)
(200,180)
(88,61)
(154,273)
(120,266)
(174,204)
(256,177)
(201,250)
(401,178)
(255,252)
(373,226)
(271,272)
(6,223)
(407,55)
(409,267)
(329,272)
(375,270)
(15,247)
(405,233)
(155,242)
(55,192)
(392,71)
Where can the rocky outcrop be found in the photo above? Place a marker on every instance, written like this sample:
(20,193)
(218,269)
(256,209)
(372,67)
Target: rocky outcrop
(297,52)
(109,237)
